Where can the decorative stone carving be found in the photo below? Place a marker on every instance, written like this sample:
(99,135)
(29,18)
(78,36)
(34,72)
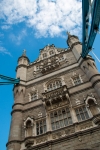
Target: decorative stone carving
(63,133)
(39,114)
(29,143)
(86,125)
(41,140)
(77,102)
(90,98)
(96,119)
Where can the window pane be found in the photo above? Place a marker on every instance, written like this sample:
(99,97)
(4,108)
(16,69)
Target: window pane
(86,115)
(63,111)
(37,131)
(52,120)
(68,114)
(61,123)
(40,123)
(45,129)
(84,109)
(37,124)
(76,111)
(55,114)
(60,117)
(70,120)
(78,117)
(67,110)
(53,126)
(65,122)
(51,115)
(41,130)
(64,115)
(80,110)
(82,116)
(44,122)
(57,125)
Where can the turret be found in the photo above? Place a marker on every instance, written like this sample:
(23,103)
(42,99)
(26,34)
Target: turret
(87,64)
(19,93)
(21,69)
(74,43)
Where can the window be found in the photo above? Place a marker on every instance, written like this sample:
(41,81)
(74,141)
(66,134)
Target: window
(34,96)
(61,58)
(81,113)
(45,55)
(51,52)
(28,128)
(41,127)
(37,67)
(60,118)
(54,85)
(76,80)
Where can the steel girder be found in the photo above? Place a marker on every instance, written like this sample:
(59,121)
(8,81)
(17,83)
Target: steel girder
(9,80)
(87,40)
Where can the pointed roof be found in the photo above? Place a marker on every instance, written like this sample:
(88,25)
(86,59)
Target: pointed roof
(24,55)
(69,36)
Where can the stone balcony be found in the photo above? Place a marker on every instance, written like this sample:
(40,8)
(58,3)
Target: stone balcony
(56,95)
(49,66)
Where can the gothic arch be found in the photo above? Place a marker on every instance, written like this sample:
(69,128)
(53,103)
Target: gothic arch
(90,98)
(92,104)
(53,84)
(28,125)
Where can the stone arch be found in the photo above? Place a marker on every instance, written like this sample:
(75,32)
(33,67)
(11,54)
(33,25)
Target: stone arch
(53,84)
(92,104)
(28,125)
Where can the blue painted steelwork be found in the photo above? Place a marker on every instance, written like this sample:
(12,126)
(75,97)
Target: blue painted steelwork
(9,80)
(87,41)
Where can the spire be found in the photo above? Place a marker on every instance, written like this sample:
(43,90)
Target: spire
(68,33)
(24,53)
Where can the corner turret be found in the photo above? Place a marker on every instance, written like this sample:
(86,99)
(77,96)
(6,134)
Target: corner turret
(74,43)
(21,69)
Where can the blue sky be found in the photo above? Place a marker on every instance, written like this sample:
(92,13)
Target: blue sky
(30,25)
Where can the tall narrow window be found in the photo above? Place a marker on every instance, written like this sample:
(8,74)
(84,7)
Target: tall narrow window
(81,113)
(34,96)
(28,128)
(41,127)
(60,118)
(37,68)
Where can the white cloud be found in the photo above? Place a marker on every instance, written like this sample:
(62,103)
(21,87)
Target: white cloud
(5,27)
(3,50)
(47,17)
(18,38)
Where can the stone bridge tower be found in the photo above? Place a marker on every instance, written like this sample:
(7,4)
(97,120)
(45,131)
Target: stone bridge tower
(57,102)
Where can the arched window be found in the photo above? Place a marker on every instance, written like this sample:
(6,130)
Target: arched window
(93,107)
(28,128)
(54,85)
(34,96)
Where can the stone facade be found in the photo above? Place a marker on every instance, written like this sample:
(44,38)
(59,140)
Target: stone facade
(57,102)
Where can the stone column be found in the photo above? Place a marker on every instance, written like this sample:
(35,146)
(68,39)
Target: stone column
(73,114)
(48,122)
